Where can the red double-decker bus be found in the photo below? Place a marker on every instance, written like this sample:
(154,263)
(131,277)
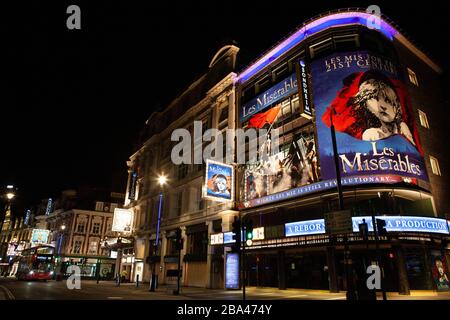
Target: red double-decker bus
(36,263)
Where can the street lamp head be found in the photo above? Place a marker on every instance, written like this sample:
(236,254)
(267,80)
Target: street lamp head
(10,195)
(162,180)
(63,227)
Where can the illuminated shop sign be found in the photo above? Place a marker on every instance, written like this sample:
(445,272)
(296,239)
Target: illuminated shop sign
(258,233)
(228,237)
(304,92)
(363,95)
(393,224)
(326,185)
(281,90)
(305,228)
(217,238)
(406,224)
(232,271)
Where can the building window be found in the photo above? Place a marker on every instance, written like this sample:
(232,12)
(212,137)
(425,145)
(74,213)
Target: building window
(96,228)
(198,244)
(99,206)
(423,119)
(93,246)
(176,203)
(412,77)
(223,117)
(435,166)
(80,227)
(198,201)
(77,247)
(182,171)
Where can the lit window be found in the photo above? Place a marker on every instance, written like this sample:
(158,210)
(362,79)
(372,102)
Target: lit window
(435,166)
(423,119)
(77,246)
(99,206)
(96,228)
(93,246)
(413,77)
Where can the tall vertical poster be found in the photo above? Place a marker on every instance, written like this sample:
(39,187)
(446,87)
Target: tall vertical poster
(365,98)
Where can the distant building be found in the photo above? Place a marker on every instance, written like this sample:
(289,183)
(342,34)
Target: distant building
(79,229)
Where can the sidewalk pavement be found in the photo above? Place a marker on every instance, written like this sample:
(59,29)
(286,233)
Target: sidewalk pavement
(254,291)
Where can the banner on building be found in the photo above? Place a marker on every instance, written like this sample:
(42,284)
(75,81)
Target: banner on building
(281,90)
(133,183)
(294,166)
(123,220)
(364,97)
(39,236)
(440,271)
(304,90)
(219,181)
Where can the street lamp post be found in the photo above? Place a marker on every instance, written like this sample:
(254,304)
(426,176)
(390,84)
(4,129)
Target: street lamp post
(162,179)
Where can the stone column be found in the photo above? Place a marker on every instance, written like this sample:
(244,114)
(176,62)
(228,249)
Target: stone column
(332,270)
(403,283)
(281,270)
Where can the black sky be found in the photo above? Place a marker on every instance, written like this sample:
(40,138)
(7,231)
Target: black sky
(73,101)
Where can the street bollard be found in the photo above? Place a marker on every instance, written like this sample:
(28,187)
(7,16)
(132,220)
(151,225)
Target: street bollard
(137,281)
(118,280)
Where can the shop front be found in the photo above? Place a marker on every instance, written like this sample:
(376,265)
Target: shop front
(413,257)
(90,267)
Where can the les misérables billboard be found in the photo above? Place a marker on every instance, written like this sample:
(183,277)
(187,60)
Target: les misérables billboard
(375,129)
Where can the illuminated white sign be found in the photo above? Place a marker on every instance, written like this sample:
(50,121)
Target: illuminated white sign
(217,238)
(258,233)
(393,224)
(123,220)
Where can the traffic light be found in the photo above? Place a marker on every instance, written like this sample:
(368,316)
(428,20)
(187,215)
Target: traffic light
(179,240)
(381,227)
(236,234)
(248,230)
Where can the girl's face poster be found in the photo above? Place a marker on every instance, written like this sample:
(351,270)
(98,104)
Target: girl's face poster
(219,181)
(363,96)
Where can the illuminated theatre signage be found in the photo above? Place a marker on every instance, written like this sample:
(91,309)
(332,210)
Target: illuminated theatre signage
(326,185)
(364,97)
(281,90)
(304,90)
(393,224)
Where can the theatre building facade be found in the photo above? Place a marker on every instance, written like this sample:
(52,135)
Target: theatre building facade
(208,101)
(383,96)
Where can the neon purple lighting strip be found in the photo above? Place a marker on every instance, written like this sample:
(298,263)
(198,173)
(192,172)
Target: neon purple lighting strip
(337,19)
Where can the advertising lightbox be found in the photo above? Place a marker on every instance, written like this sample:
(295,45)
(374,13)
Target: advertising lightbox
(365,98)
(219,181)
(232,271)
(123,220)
(39,236)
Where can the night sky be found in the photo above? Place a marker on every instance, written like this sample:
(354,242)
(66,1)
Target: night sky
(74,101)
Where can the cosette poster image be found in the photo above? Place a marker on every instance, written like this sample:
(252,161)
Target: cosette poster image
(219,181)
(370,108)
